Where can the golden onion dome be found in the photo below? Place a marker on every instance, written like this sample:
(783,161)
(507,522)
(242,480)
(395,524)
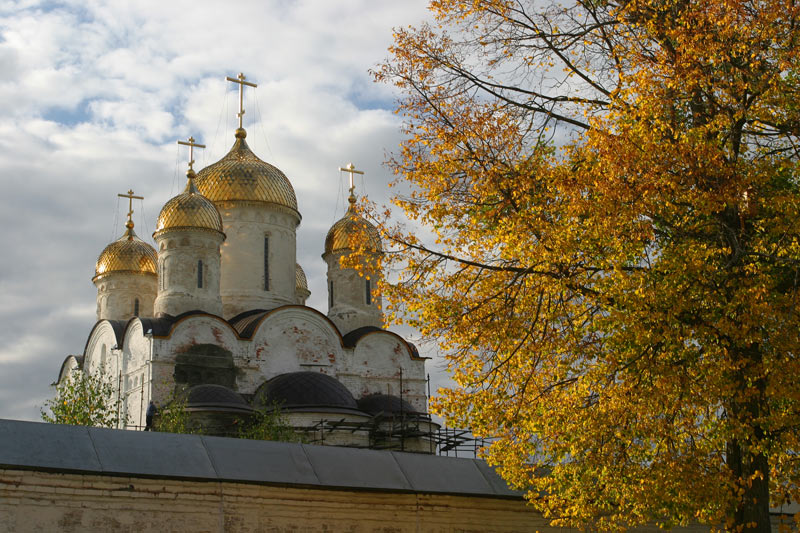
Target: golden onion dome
(241,176)
(352,229)
(190,209)
(300,283)
(128,254)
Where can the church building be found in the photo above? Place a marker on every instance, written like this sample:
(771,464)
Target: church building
(215,315)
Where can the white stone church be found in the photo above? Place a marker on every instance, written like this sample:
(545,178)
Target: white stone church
(216,315)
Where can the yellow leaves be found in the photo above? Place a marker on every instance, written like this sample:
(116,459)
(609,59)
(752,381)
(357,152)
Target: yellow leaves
(602,301)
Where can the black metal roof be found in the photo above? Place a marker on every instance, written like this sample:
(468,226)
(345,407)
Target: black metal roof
(118,326)
(352,338)
(214,397)
(78,359)
(78,449)
(246,323)
(375,404)
(303,390)
(159,327)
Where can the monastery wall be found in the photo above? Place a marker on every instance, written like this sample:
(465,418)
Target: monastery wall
(51,501)
(43,501)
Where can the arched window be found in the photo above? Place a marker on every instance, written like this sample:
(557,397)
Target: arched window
(136,307)
(200,274)
(330,295)
(369,293)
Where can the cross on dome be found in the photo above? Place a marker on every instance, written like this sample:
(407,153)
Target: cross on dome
(352,170)
(240,80)
(130,196)
(192,145)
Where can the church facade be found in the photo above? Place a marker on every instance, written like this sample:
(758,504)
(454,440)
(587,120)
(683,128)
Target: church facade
(215,314)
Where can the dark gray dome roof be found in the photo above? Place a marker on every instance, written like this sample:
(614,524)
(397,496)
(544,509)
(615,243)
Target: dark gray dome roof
(385,403)
(201,397)
(304,389)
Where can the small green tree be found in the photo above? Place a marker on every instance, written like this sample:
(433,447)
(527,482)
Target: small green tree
(83,400)
(173,417)
(269,423)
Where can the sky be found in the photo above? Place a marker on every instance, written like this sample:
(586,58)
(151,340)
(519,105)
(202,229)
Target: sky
(95,95)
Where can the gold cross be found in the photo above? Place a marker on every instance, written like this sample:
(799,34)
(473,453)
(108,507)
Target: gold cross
(130,198)
(240,80)
(352,170)
(192,145)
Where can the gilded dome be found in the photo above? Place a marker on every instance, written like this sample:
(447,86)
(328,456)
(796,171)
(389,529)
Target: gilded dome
(128,254)
(300,283)
(190,209)
(241,176)
(350,229)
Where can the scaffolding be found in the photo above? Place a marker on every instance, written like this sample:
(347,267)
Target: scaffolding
(412,433)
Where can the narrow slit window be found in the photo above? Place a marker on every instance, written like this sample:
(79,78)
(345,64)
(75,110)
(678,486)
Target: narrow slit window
(200,274)
(266,263)
(330,295)
(369,293)
(135,308)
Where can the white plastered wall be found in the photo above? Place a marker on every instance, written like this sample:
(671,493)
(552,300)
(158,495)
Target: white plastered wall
(136,378)
(187,332)
(117,293)
(179,252)
(292,339)
(102,355)
(379,361)
(242,285)
(349,309)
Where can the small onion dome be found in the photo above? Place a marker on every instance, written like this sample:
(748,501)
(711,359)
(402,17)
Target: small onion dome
(241,176)
(128,254)
(300,281)
(304,389)
(350,229)
(190,209)
(209,397)
(386,404)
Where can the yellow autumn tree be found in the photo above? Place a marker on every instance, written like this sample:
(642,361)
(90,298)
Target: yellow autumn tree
(609,255)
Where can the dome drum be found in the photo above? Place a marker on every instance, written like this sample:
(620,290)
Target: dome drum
(352,298)
(125,277)
(189,266)
(259,212)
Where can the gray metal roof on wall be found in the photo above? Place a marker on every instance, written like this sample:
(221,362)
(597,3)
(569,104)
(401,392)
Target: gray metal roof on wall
(77,449)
